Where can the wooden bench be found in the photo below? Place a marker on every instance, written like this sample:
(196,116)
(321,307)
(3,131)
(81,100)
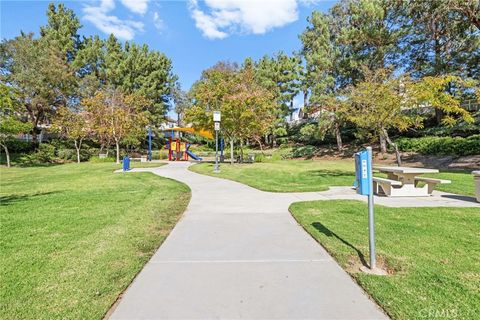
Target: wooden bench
(431,182)
(384,186)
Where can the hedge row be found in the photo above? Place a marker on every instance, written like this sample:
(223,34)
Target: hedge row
(455,146)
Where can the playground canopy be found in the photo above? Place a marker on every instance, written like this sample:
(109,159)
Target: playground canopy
(202,133)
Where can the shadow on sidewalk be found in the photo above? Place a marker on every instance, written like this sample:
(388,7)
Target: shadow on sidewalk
(321,228)
(459,197)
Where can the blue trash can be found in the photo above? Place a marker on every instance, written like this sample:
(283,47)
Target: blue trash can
(126,163)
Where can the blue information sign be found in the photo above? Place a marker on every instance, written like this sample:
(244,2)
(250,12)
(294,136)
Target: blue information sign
(363,171)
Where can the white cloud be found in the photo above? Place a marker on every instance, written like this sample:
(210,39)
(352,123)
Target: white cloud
(136,6)
(225,17)
(98,16)
(158,22)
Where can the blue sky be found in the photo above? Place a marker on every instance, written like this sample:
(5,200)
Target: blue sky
(194,34)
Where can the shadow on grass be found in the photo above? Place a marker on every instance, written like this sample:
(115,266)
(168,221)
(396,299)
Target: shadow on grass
(8,200)
(329,233)
(330,173)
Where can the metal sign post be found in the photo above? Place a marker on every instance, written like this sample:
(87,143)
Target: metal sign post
(371,224)
(364,183)
(216,120)
(149,143)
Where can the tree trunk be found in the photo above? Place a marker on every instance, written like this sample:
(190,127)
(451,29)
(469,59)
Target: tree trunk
(77,147)
(231,151)
(305,99)
(395,147)
(438,115)
(34,136)
(383,142)
(291,110)
(35,119)
(338,136)
(259,141)
(117,146)
(438,71)
(7,155)
(241,150)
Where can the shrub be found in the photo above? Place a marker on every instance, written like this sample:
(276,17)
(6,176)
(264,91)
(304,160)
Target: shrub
(308,133)
(45,154)
(159,154)
(303,151)
(455,146)
(20,146)
(67,154)
(259,157)
(97,159)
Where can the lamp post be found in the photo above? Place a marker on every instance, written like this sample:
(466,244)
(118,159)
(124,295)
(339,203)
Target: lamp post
(216,121)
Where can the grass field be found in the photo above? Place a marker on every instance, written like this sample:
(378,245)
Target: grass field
(74,236)
(318,175)
(432,255)
(286,175)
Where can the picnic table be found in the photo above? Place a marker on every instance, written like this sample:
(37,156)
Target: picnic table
(405,182)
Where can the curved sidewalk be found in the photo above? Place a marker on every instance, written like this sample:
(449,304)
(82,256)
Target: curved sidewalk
(238,253)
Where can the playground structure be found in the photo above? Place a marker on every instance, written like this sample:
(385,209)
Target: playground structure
(178,150)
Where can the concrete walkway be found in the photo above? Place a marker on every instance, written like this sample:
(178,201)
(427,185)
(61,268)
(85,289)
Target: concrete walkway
(238,253)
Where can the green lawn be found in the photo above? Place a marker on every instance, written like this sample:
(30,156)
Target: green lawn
(286,175)
(432,254)
(314,175)
(74,236)
(462,182)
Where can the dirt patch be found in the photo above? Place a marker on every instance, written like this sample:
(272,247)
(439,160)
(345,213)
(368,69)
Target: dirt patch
(354,264)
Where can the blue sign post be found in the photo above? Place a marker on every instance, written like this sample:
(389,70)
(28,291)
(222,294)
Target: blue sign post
(149,143)
(364,182)
(126,163)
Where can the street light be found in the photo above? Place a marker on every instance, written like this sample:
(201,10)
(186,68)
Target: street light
(216,121)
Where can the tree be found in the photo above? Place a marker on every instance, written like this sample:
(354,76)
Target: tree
(10,123)
(148,73)
(61,30)
(366,34)
(181,101)
(117,117)
(378,105)
(39,75)
(247,108)
(130,68)
(441,40)
(469,8)
(280,75)
(90,66)
(320,54)
(72,125)
(253,107)
(439,93)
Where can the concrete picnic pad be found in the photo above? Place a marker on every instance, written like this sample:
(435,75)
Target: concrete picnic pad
(238,253)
